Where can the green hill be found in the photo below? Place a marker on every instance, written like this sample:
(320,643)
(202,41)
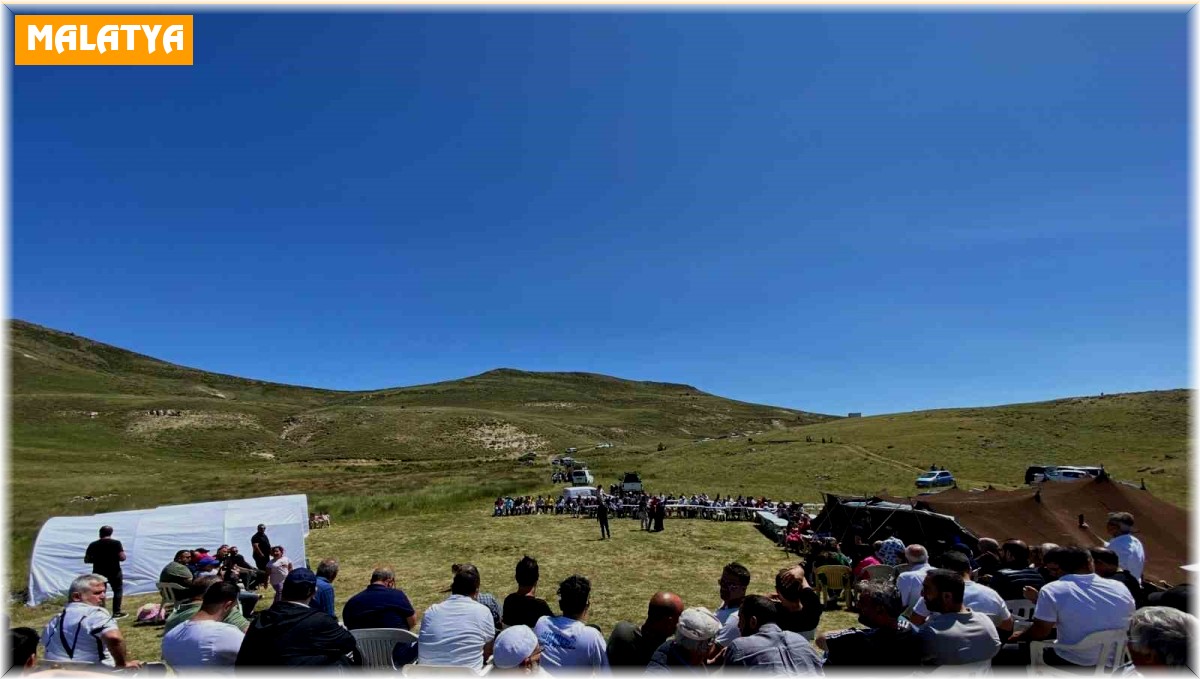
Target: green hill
(97,428)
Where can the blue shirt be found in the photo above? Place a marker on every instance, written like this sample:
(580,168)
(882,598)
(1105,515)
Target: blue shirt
(323,601)
(378,606)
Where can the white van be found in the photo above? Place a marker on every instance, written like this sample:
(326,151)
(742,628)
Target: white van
(582,477)
(578,492)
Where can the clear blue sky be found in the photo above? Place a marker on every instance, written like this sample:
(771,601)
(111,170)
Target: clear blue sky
(833,212)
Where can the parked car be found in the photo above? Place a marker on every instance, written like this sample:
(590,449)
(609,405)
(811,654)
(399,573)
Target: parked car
(582,477)
(1039,473)
(631,482)
(572,450)
(935,479)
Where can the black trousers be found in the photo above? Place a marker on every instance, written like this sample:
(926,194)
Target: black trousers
(604,532)
(117,587)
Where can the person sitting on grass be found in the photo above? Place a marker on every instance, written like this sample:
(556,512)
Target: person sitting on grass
(522,607)
(567,642)
(206,641)
(186,609)
(889,639)
(632,646)
(691,646)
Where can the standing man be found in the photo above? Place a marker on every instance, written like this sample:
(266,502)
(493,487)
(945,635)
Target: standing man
(262,552)
(1131,556)
(660,514)
(106,555)
(602,515)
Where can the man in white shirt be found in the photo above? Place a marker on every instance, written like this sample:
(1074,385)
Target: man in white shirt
(567,643)
(1077,603)
(84,631)
(910,581)
(458,631)
(976,597)
(205,642)
(1130,554)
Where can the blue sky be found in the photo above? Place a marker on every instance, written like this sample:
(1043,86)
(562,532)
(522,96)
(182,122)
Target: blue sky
(875,212)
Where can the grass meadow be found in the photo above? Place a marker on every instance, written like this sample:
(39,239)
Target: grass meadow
(686,559)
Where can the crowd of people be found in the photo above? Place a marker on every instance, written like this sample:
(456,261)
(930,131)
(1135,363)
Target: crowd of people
(950,608)
(631,504)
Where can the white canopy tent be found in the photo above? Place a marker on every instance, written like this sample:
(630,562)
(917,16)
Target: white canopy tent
(152,536)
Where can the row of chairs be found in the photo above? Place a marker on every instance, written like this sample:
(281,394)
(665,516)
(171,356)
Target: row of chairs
(377,645)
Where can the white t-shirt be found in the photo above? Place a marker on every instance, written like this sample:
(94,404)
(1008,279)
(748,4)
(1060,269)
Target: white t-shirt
(278,570)
(910,582)
(978,598)
(454,632)
(1130,554)
(202,644)
(569,644)
(82,626)
(1081,604)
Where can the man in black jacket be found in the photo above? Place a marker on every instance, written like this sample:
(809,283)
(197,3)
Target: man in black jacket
(289,633)
(1017,573)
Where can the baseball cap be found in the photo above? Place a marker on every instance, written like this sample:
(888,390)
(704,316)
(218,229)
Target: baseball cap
(697,624)
(302,575)
(513,646)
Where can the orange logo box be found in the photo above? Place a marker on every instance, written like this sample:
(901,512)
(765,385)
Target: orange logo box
(103,40)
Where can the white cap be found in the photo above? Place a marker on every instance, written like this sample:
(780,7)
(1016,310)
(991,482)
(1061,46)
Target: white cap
(513,646)
(697,624)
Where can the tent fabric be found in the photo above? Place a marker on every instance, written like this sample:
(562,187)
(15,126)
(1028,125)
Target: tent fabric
(1054,517)
(152,536)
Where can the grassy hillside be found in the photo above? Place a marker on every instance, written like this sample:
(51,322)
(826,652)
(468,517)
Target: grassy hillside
(420,465)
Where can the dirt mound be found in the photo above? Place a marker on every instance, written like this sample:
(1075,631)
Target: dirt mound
(1162,527)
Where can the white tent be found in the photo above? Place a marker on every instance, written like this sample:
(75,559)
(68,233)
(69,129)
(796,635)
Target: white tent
(152,536)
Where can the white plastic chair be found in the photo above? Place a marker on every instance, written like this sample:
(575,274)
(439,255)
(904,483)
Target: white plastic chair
(376,645)
(1021,609)
(1108,647)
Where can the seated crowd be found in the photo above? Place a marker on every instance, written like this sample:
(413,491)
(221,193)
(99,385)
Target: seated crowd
(955,608)
(630,504)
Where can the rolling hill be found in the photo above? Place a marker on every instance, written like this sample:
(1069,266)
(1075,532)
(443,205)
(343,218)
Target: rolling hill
(97,428)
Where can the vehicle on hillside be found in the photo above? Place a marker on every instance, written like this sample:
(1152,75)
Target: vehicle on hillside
(582,477)
(935,479)
(604,445)
(572,450)
(631,482)
(579,491)
(566,461)
(1068,473)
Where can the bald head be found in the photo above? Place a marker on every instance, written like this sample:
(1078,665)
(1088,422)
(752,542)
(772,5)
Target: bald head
(916,554)
(989,545)
(662,615)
